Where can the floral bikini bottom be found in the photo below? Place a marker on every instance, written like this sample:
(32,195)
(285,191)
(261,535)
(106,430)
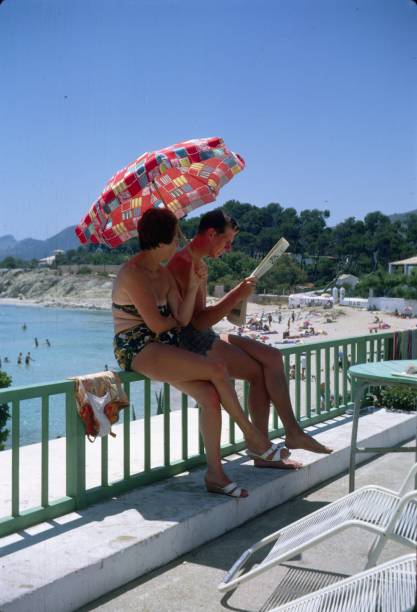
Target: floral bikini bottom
(128,343)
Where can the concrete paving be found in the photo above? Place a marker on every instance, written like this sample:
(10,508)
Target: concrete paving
(190,583)
(76,558)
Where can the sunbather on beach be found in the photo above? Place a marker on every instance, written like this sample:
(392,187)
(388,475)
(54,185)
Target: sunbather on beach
(148,312)
(259,364)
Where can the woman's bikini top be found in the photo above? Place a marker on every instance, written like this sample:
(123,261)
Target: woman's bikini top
(130,309)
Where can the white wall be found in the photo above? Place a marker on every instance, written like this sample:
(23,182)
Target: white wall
(355,302)
(307,299)
(387,304)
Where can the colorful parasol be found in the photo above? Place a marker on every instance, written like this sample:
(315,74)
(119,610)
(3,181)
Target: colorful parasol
(180,177)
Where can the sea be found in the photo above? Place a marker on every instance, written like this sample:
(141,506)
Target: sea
(80,342)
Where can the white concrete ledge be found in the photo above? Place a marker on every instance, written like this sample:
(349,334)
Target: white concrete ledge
(72,560)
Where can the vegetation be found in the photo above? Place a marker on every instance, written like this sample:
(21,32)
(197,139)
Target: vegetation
(398,398)
(388,285)
(363,248)
(5,381)
(84,270)
(13,263)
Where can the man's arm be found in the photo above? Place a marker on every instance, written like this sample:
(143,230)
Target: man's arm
(210,315)
(205,316)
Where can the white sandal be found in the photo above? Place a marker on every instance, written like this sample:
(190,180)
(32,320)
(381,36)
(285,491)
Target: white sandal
(231,489)
(276,449)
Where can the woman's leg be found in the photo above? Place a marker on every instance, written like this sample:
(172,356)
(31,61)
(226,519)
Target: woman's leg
(210,426)
(174,366)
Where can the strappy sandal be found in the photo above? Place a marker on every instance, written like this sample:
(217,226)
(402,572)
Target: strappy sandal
(275,449)
(231,489)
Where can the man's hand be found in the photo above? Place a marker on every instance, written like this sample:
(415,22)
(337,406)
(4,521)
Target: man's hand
(245,288)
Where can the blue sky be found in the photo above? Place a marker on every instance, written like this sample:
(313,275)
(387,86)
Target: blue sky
(320,98)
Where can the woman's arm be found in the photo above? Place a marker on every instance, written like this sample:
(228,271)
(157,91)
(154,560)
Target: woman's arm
(139,291)
(182,309)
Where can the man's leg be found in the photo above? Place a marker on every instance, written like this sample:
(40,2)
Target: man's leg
(276,385)
(242,366)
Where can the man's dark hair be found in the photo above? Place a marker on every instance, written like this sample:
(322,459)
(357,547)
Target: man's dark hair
(156,226)
(218,220)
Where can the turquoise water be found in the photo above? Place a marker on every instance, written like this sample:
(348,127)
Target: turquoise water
(81,343)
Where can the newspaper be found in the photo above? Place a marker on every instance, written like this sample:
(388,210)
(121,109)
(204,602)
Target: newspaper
(237,315)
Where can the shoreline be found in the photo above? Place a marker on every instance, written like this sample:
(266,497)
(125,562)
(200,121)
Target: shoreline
(338,322)
(70,305)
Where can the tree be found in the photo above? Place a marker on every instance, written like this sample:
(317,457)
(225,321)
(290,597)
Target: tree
(348,241)
(12,263)
(5,381)
(284,276)
(411,234)
(384,238)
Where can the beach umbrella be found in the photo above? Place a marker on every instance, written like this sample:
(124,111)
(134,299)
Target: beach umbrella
(180,177)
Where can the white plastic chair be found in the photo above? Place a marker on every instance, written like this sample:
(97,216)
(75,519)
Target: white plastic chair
(390,587)
(387,514)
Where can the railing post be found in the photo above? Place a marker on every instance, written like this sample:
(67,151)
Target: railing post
(167,424)
(388,348)
(361,351)
(15,457)
(75,451)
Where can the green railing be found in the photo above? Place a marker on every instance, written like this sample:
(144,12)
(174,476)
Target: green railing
(154,446)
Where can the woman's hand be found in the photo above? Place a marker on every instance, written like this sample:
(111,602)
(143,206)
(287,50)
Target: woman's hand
(198,275)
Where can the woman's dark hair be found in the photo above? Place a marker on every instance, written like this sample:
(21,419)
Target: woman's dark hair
(156,226)
(218,220)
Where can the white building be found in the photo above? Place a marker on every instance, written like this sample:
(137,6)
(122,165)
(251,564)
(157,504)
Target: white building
(347,280)
(406,264)
(48,261)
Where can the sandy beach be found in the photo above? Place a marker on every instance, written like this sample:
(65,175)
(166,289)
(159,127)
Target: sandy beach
(337,322)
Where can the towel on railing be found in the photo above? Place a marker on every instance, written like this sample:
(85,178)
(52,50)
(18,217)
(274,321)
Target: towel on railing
(404,344)
(99,398)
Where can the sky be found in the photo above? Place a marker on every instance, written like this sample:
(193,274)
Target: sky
(319,98)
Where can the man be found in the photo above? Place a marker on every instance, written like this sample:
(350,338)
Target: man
(259,364)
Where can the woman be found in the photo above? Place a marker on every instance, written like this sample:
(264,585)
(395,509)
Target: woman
(147,313)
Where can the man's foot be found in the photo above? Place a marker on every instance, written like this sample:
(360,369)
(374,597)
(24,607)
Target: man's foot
(282,464)
(302,440)
(276,456)
(259,443)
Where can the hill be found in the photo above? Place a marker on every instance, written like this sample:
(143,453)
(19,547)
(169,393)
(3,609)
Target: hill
(56,288)
(402,217)
(29,248)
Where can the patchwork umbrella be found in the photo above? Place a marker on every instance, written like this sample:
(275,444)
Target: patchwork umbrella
(180,177)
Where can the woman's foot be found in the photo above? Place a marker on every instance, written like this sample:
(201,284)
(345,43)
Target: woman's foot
(300,439)
(221,484)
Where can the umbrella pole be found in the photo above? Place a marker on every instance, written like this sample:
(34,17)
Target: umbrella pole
(181,234)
